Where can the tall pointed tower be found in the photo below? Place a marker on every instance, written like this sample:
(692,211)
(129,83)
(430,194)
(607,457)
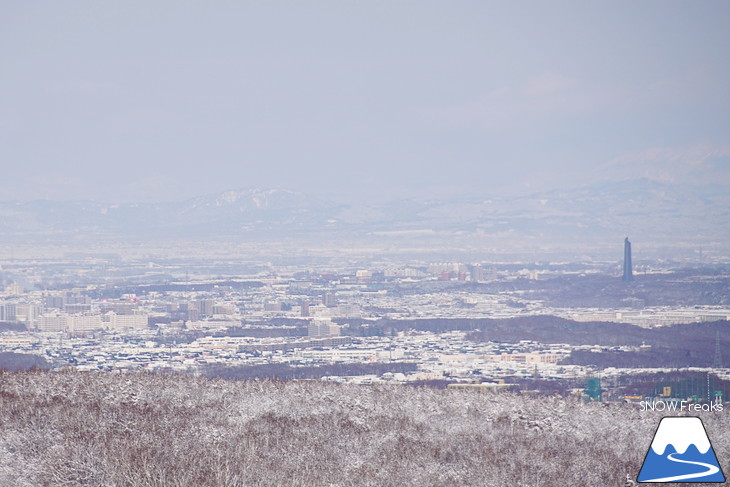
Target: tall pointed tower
(628,272)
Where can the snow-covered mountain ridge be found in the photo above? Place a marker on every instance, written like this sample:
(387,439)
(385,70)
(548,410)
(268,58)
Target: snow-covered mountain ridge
(646,210)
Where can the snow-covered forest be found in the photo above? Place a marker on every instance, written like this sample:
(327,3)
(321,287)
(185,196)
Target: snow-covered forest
(137,429)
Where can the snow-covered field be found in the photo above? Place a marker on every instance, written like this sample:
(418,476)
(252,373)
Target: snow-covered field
(135,429)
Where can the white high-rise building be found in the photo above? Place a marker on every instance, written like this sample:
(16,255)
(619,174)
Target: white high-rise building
(114,321)
(323,328)
(52,322)
(84,322)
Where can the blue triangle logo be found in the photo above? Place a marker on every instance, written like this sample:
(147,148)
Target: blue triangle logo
(681,453)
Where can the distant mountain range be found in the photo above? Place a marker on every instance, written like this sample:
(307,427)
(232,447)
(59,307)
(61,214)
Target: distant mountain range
(655,213)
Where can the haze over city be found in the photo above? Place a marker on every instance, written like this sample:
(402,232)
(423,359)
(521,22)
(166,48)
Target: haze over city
(359,102)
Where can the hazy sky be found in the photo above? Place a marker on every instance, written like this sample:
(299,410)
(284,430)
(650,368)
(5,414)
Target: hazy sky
(163,100)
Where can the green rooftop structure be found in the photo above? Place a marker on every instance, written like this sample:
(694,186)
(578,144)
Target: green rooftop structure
(593,389)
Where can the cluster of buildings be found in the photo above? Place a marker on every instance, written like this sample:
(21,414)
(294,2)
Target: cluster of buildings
(70,311)
(364,294)
(439,356)
(134,316)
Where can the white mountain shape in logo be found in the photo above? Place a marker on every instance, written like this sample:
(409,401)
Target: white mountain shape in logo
(680,433)
(680,452)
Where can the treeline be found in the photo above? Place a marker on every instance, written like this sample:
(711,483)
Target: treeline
(12,361)
(545,329)
(552,329)
(288,372)
(12,326)
(681,355)
(140,429)
(542,386)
